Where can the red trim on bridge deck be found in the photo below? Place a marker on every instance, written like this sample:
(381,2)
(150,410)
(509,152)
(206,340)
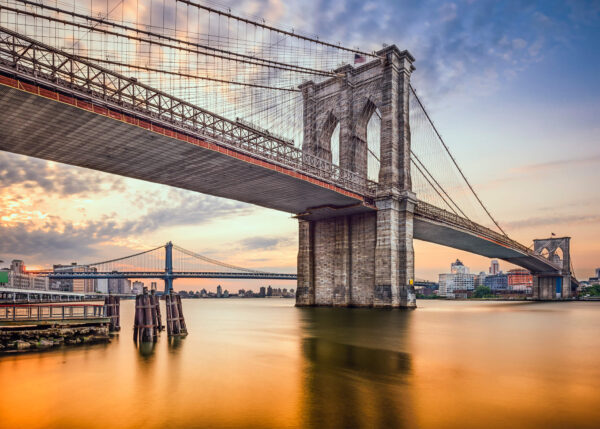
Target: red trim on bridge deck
(113,114)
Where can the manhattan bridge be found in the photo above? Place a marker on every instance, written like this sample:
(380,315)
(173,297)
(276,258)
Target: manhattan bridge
(196,97)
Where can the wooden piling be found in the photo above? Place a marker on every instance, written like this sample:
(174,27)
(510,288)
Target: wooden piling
(175,320)
(113,311)
(145,321)
(156,303)
(182,326)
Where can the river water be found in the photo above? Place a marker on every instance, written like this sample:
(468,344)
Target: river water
(262,363)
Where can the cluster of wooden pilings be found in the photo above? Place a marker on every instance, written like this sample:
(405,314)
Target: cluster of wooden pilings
(113,312)
(147,323)
(175,320)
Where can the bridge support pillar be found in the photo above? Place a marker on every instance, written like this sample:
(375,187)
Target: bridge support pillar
(551,287)
(362,260)
(394,254)
(366,259)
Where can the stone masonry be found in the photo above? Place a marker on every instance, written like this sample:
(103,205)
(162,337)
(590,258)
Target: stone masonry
(366,259)
(552,286)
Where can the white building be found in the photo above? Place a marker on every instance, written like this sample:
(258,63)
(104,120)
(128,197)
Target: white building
(459,278)
(102,286)
(18,278)
(137,287)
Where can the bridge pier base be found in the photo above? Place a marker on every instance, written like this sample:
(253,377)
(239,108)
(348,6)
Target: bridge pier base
(547,288)
(361,260)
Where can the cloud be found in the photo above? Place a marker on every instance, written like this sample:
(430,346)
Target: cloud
(55,239)
(264,243)
(561,163)
(52,178)
(553,220)
(447,12)
(460,47)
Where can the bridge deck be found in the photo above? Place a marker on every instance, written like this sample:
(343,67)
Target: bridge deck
(76,132)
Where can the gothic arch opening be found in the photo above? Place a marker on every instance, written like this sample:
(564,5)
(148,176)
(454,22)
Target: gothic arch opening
(368,129)
(374,146)
(330,140)
(558,255)
(334,144)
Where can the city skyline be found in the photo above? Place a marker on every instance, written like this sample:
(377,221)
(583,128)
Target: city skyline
(476,77)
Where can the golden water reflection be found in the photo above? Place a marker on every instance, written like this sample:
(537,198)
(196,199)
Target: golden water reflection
(263,363)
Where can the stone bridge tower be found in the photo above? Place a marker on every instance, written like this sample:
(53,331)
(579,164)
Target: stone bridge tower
(552,285)
(361,259)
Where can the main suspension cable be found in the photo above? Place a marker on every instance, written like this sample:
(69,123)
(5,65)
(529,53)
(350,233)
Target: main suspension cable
(454,161)
(218,53)
(275,29)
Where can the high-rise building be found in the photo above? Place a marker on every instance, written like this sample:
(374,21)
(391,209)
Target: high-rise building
(263,292)
(77,285)
(102,286)
(494,267)
(153,286)
(458,267)
(119,286)
(480,279)
(459,278)
(219,291)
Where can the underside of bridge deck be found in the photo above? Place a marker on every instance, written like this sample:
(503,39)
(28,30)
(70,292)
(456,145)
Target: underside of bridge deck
(44,128)
(457,238)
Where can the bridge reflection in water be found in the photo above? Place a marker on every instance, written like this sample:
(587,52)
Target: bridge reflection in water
(349,380)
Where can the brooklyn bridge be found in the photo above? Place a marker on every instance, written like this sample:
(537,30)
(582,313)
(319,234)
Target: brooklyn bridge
(235,108)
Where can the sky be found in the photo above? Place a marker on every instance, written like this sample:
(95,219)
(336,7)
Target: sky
(513,87)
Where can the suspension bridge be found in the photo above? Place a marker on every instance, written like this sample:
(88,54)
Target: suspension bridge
(167,262)
(196,97)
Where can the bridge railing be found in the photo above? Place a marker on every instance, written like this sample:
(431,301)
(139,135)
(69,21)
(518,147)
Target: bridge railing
(437,214)
(50,67)
(49,312)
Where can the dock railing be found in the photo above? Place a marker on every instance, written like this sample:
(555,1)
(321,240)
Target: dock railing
(50,312)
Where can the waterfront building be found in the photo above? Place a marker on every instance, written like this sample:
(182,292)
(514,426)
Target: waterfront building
(219,291)
(459,278)
(137,287)
(497,282)
(16,277)
(520,280)
(76,285)
(263,292)
(269,291)
(480,279)
(102,286)
(119,286)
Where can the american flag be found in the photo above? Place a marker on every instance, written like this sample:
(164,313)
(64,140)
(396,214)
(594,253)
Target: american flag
(359,59)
